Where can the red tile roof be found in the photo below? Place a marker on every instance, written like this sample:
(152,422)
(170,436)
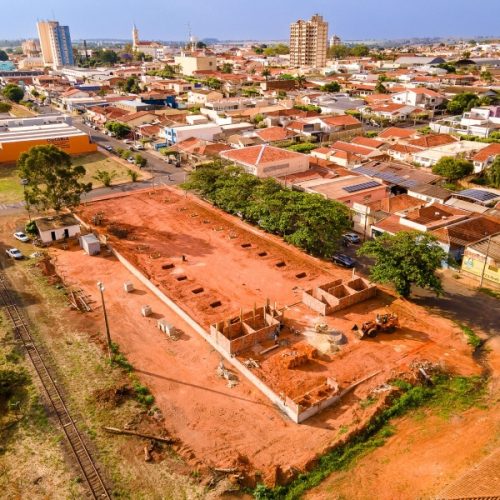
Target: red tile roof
(432,141)
(488,152)
(367,142)
(273,134)
(261,154)
(397,132)
(341,120)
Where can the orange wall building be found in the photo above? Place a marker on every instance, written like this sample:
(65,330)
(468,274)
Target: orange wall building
(17,140)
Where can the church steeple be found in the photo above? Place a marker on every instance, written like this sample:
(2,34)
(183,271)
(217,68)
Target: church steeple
(135,37)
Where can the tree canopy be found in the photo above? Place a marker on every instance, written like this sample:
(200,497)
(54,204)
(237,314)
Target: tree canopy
(13,92)
(119,129)
(453,169)
(463,102)
(3,55)
(343,51)
(52,182)
(331,87)
(5,107)
(130,85)
(493,173)
(277,50)
(405,259)
(308,221)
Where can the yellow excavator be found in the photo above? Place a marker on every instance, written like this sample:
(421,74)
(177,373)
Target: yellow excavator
(383,323)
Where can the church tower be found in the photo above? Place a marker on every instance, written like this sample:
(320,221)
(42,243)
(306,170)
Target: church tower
(135,37)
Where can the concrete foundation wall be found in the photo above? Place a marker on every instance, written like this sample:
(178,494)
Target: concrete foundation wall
(337,295)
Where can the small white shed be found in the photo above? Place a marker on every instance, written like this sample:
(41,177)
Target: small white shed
(57,228)
(90,244)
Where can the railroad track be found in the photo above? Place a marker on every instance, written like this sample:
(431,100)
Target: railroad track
(97,488)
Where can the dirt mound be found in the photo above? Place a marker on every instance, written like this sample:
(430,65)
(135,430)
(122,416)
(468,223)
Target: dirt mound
(113,396)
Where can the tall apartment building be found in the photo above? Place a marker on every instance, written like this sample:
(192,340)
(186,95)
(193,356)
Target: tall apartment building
(55,42)
(309,42)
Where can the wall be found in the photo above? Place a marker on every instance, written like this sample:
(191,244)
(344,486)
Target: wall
(46,236)
(473,263)
(10,151)
(338,295)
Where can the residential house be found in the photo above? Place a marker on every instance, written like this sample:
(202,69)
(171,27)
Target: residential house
(455,238)
(483,158)
(203,96)
(273,135)
(348,189)
(462,149)
(178,133)
(419,97)
(481,260)
(268,161)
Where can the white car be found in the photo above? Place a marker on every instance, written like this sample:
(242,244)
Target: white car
(128,141)
(14,253)
(130,160)
(21,237)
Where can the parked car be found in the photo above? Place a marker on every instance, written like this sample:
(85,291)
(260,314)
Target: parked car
(138,147)
(130,160)
(107,147)
(21,237)
(352,238)
(343,260)
(127,141)
(14,253)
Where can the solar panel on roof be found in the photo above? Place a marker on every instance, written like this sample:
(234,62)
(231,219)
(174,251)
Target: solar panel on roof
(360,187)
(478,194)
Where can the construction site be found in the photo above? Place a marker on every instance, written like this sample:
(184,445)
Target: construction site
(257,354)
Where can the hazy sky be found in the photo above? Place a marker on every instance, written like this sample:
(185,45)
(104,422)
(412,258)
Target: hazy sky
(252,19)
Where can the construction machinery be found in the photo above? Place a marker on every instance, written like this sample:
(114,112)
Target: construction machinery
(383,323)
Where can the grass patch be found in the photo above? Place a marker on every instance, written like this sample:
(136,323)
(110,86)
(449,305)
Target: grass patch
(490,292)
(472,338)
(447,395)
(11,189)
(95,162)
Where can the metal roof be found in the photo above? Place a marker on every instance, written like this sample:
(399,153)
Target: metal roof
(479,195)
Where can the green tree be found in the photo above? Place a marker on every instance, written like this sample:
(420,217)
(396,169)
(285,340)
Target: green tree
(13,92)
(331,87)
(462,102)
(105,176)
(360,50)
(487,76)
(493,173)
(227,68)
(380,87)
(119,129)
(301,81)
(52,181)
(133,175)
(450,68)
(405,259)
(276,50)
(286,76)
(266,73)
(130,85)
(5,107)
(140,161)
(338,52)
(214,83)
(453,169)
(3,55)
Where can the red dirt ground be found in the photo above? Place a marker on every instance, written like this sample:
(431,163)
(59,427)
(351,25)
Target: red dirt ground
(219,426)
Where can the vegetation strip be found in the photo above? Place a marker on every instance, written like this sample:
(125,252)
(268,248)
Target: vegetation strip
(446,394)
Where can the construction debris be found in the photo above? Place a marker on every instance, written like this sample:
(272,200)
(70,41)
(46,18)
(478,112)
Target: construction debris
(223,372)
(251,363)
(114,430)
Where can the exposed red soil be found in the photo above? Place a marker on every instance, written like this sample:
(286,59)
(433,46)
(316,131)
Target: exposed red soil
(218,425)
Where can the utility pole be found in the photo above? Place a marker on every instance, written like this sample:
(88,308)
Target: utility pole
(100,286)
(485,262)
(24,183)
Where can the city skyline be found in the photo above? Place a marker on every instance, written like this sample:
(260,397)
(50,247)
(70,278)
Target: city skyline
(359,19)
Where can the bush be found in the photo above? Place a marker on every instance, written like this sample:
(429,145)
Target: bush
(453,169)
(133,175)
(105,177)
(5,107)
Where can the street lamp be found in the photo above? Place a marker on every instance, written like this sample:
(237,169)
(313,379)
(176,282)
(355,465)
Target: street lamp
(100,286)
(24,183)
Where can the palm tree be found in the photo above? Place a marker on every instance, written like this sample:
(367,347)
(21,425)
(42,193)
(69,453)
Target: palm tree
(301,80)
(266,73)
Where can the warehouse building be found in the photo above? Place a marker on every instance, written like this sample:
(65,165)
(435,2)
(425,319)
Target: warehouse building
(19,135)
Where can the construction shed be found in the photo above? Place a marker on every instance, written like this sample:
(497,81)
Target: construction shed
(57,228)
(90,244)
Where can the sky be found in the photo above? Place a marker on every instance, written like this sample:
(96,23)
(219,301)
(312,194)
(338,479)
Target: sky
(252,19)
